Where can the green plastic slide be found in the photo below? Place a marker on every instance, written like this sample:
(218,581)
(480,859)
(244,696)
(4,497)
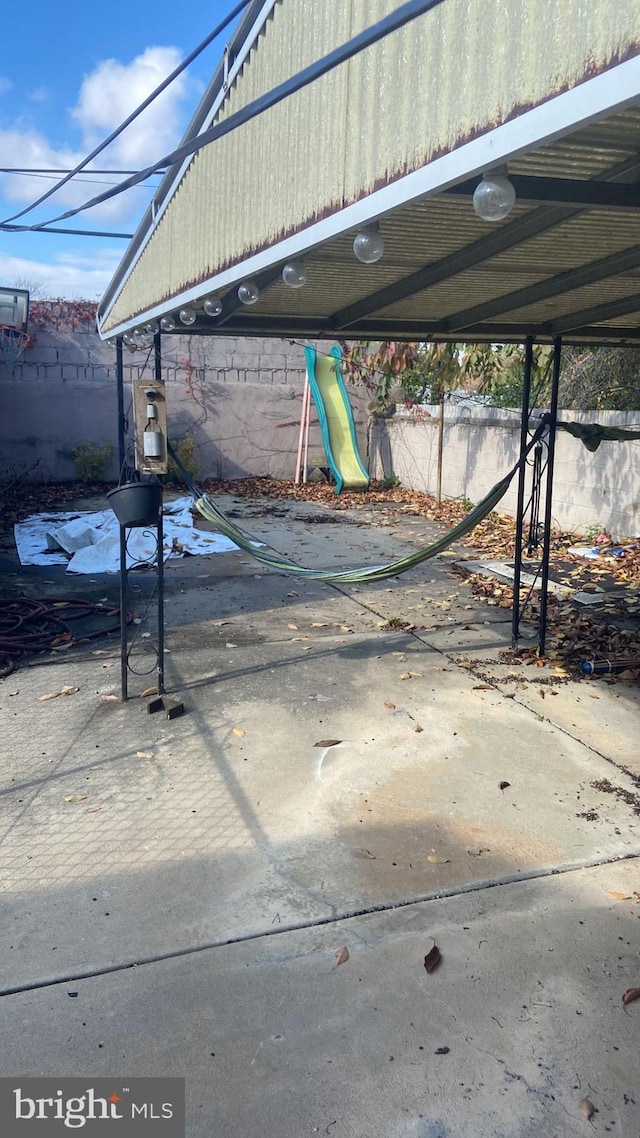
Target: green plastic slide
(336,419)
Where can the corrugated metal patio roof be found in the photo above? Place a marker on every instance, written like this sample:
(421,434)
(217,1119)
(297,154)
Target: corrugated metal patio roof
(565,261)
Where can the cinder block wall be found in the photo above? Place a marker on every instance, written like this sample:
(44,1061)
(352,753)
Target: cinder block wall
(480,445)
(240,399)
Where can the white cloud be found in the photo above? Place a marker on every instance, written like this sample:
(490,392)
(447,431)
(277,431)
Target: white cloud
(39,95)
(115,89)
(107,96)
(70,275)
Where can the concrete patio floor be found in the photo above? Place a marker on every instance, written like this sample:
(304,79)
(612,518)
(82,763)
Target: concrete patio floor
(192,881)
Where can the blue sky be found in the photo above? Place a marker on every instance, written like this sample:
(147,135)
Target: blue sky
(69,74)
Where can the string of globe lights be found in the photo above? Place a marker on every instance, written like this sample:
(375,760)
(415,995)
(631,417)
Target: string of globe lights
(493,199)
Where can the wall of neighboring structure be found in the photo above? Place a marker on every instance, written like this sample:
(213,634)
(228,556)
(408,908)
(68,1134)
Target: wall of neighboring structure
(480,445)
(240,399)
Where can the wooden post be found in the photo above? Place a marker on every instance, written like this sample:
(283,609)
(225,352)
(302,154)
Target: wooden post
(440,448)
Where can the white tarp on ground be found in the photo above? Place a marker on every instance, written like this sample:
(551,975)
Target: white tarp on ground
(93,539)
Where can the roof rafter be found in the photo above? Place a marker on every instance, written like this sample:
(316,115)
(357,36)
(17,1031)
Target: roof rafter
(578,193)
(498,241)
(591,273)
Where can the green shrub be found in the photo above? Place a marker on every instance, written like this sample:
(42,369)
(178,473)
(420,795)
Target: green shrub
(91,461)
(187,451)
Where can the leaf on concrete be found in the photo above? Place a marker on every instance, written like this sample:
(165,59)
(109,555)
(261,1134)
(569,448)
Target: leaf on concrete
(75,797)
(618,896)
(586,1108)
(148,691)
(342,955)
(319,624)
(68,690)
(630,995)
(365,854)
(405,676)
(238,732)
(49,695)
(389,704)
(482,687)
(110,698)
(144,754)
(432,959)
(293,627)
(327,743)
(503,785)
(436,859)
(417,728)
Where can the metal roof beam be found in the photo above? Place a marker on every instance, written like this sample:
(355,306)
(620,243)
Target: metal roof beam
(578,193)
(506,237)
(469,256)
(595,315)
(591,273)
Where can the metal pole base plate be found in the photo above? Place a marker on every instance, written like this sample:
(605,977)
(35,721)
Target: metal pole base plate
(173,707)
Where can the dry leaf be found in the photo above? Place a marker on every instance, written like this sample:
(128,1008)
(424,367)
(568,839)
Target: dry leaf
(503,785)
(432,959)
(75,797)
(49,695)
(293,627)
(238,732)
(482,687)
(93,809)
(389,704)
(148,691)
(110,698)
(68,690)
(435,859)
(144,754)
(365,854)
(405,676)
(418,729)
(618,896)
(319,624)
(629,995)
(342,955)
(586,1108)
(229,645)
(327,743)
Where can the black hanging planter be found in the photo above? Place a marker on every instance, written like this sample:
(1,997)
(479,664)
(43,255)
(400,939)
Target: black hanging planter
(137,503)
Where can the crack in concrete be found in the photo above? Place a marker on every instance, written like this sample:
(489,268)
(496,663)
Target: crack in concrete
(320,922)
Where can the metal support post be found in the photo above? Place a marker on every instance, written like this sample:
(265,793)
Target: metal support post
(160,537)
(122,458)
(551,449)
(524,431)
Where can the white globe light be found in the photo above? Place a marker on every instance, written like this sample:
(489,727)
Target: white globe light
(151,328)
(368,245)
(188,316)
(294,274)
(494,197)
(212,306)
(168,324)
(248,292)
